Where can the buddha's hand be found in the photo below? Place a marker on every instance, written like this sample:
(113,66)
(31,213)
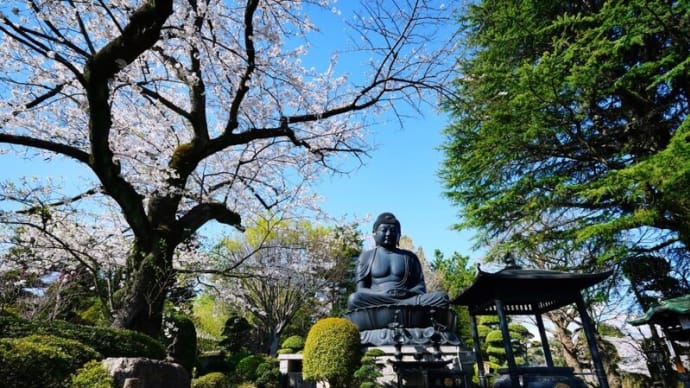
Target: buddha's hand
(398,293)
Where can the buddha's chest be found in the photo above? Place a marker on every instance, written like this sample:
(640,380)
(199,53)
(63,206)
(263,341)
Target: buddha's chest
(389,266)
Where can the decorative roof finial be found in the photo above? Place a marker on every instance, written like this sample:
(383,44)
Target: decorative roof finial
(510,262)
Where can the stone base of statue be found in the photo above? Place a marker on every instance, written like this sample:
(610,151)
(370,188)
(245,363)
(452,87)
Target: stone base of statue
(424,366)
(408,366)
(405,325)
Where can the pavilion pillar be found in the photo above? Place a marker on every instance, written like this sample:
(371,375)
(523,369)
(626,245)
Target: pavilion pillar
(544,340)
(588,328)
(510,357)
(477,351)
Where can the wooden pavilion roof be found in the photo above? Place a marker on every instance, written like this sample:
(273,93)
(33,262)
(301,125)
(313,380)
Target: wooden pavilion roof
(525,291)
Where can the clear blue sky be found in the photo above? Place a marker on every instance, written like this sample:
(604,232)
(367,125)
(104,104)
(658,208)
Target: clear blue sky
(401,174)
(401,177)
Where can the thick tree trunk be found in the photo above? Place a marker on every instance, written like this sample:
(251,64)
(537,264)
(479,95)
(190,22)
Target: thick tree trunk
(275,344)
(563,336)
(141,305)
(609,360)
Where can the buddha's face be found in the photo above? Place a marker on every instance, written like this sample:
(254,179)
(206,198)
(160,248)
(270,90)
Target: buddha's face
(387,235)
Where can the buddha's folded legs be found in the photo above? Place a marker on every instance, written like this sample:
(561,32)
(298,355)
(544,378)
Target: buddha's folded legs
(362,299)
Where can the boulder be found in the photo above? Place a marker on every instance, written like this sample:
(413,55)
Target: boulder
(145,372)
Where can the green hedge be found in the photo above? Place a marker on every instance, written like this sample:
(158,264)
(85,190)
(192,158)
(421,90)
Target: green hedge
(41,361)
(108,342)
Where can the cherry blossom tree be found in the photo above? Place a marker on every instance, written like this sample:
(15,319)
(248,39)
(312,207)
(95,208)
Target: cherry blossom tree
(284,268)
(186,112)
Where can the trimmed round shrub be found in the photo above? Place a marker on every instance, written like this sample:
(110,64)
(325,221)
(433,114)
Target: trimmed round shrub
(92,375)
(41,361)
(293,344)
(107,341)
(212,380)
(332,352)
(495,336)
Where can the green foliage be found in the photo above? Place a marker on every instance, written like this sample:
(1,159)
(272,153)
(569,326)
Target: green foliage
(209,315)
(494,338)
(570,130)
(93,314)
(180,336)
(92,375)
(634,380)
(650,276)
(235,334)
(206,344)
(212,380)
(369,371)
(108,342)
(490,375)
(372,354)
(332,352)
(605,330)
(233,360)
(268,373)
(41,361)
(519,331)
(456,275)
(217,361)
(342,274)
(286,304)
(246,367)
(491,338)
(489,320)
(293,344)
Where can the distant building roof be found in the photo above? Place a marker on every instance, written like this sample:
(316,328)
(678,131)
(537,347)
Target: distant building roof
(525,291)
(673,314)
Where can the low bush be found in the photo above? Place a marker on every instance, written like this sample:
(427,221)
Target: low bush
(92,375)
(108,342)
(41,361)
(212,380)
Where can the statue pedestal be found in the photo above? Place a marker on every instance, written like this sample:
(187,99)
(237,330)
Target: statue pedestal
(414,366)
(404,324)
(425,366)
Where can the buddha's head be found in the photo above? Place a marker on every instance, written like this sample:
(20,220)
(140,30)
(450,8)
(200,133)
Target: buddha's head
(386,230)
